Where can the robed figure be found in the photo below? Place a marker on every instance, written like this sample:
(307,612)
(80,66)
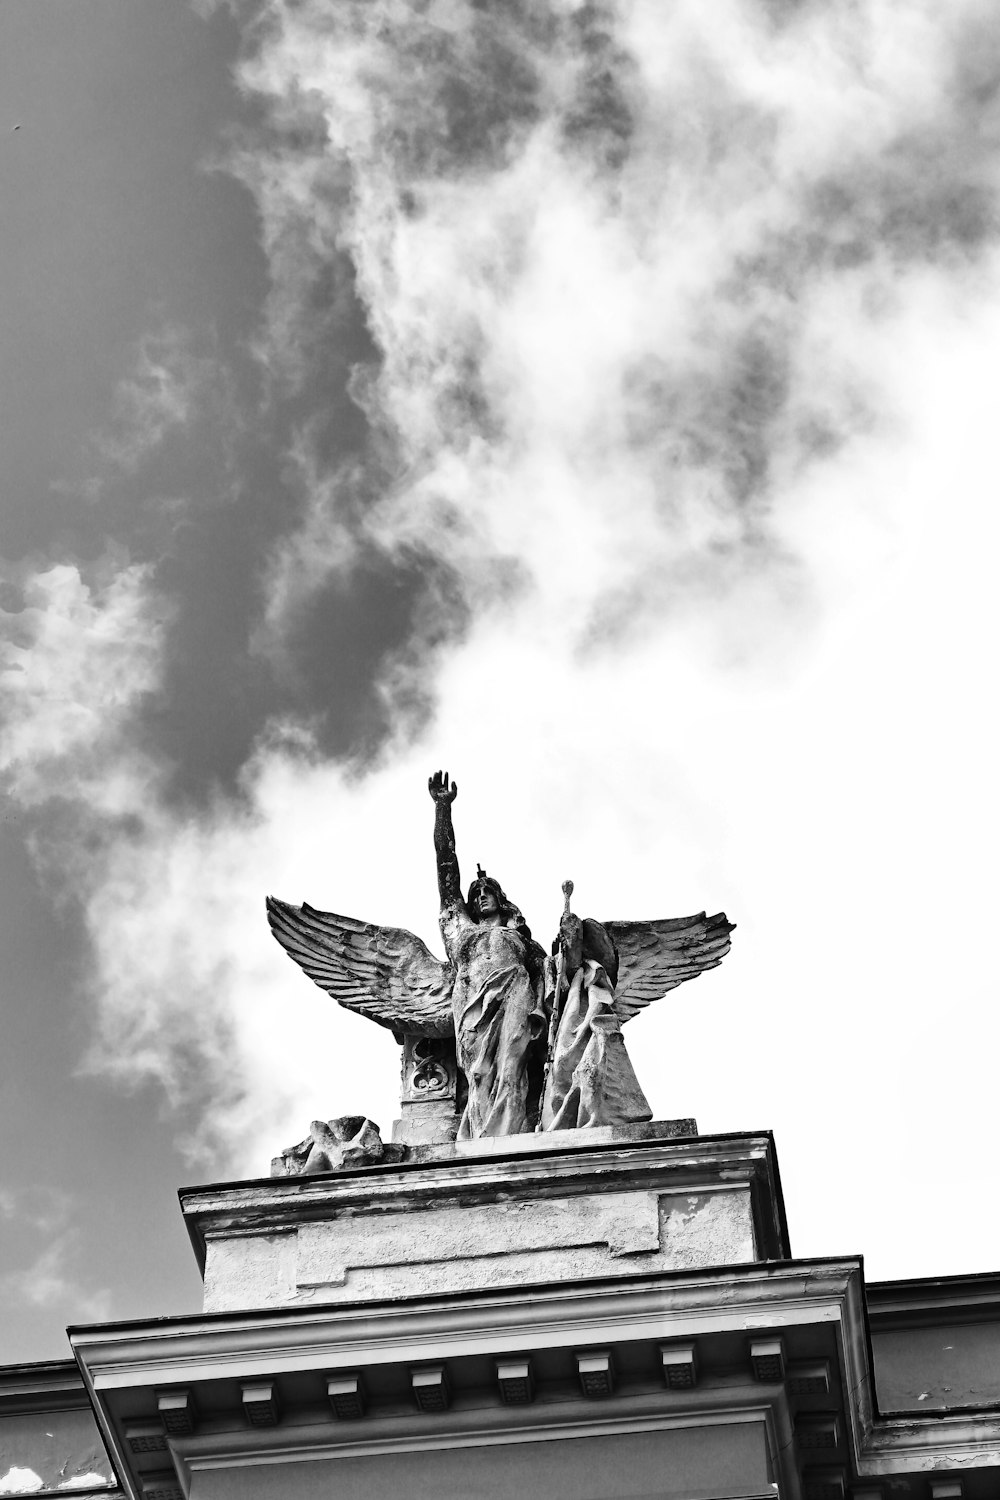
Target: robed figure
(538,1036)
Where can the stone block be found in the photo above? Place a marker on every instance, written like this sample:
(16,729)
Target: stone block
(820,1431)
(767,1360)
(346,1394)
(597,1372)
(177,1412)
(680,1367)
(808,1379)
(824,1484)
(163,1484)
(145,1437)
(515,1381)
(430,1386)
(260,1404)
(574,1210)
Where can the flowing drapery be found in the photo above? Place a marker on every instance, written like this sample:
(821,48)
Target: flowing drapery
(591,1080)
(499,1019)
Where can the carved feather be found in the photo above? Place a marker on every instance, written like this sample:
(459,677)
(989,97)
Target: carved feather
(384,973)
(655,957)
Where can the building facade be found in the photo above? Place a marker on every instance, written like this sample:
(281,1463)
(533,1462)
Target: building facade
(579,1315)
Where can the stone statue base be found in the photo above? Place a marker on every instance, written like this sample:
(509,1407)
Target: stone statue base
(563,1207)
(533,1142)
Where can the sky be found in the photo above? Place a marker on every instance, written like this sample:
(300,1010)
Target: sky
(594,399)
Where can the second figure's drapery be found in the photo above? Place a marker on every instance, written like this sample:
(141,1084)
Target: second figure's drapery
(591,1080)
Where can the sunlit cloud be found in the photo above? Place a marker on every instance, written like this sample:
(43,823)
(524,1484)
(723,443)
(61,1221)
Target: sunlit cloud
(615,262)
(77,658)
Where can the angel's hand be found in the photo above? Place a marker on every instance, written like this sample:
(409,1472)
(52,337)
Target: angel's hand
(437,785)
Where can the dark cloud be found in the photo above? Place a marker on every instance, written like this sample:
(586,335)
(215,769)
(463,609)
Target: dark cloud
(600,120)
(278,439)
(462,99)
(210,547)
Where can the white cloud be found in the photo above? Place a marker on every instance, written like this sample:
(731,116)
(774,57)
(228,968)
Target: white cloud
(75,662)
(670,332)
(723,402)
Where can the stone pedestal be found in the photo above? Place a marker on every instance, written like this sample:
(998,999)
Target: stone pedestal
(565,1207)
(430,1083)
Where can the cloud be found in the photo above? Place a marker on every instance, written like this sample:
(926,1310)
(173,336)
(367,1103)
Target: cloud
(669,345)
(48,1283)
(172,433)
(50,1280)
(43,1210)
(613,262)
(77,659)
(169,384)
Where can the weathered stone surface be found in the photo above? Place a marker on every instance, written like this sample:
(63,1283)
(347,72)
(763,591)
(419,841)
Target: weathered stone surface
(445,1250)
(557,1237)
(425,1123)
(624,1223)
(332,1145)
(589,1208)
(553,1140)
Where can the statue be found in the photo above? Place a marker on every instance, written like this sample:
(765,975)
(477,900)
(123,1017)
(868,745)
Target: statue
(537,1037)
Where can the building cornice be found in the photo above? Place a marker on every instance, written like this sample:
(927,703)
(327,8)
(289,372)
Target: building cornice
(776,1298)
(624,1312)
(619,1308)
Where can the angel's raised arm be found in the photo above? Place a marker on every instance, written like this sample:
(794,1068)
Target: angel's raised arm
(449,879)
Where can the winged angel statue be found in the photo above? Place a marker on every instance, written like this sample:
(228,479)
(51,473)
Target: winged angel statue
(538,1037)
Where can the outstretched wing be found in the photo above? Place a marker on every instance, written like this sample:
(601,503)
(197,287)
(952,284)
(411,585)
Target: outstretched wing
(383,972)
(655,957)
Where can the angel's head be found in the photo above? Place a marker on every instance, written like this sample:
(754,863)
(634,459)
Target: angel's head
(486,899)
(487,902)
